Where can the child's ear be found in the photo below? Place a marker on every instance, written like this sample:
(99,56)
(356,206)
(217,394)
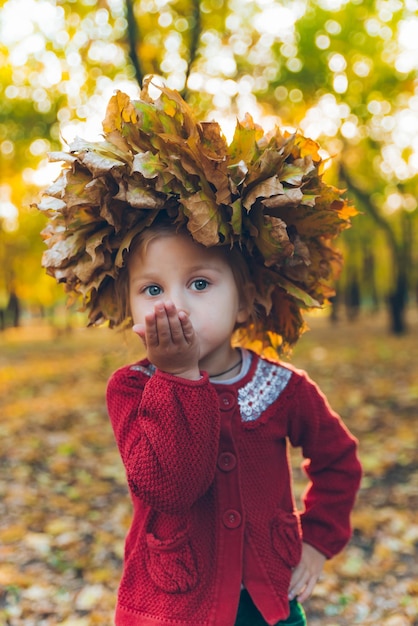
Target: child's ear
(246,303)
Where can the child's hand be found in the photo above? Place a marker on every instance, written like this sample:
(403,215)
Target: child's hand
(306,574)
(170,341)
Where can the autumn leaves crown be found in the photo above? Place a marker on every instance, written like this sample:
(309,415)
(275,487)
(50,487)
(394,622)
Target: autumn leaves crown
(263,193)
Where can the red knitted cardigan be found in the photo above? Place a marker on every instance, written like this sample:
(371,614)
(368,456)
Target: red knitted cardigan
(208,470)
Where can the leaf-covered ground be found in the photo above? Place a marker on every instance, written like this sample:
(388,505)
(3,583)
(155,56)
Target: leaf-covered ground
(64,509)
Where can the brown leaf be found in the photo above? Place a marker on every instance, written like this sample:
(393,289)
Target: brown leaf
(203,218)
(64,249)
(213,143)
(141,198)
(288,198)
(267,188)
(272,241)
(286,319)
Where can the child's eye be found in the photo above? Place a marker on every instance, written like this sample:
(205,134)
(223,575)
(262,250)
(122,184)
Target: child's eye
(153,290)
(199,284)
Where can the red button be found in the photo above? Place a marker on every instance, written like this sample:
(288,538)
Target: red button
(231,518)
(227,461)
(226,401)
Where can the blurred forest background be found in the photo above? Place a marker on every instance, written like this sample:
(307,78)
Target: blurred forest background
(345,73)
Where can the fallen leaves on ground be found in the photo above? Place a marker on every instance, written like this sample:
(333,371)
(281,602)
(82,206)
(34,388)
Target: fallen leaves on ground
(65,510)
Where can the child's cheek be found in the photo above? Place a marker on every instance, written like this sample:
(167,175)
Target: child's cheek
(138,312)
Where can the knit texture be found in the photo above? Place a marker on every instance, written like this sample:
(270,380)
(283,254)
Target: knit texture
(213,505)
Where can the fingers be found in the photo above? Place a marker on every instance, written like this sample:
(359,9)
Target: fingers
(303,593)
(298,582)
(306,593)
(170,340)
(139,329)
(188,330)
(306,574)
(167,326)
(151,327)
(302,586)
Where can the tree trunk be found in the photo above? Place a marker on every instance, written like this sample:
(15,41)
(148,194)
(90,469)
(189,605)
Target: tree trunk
(352,297)
(13,310)
(397,299)
(369,277)
(397,306)
(133,42)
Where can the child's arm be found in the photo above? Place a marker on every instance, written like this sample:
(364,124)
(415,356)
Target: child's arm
(167,431)
(332,465)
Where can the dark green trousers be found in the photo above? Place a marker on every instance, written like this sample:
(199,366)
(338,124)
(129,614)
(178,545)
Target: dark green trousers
(249,615)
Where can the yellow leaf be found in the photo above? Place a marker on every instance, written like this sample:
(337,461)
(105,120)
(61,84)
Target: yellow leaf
(12,533)
(10,575)
(119,110)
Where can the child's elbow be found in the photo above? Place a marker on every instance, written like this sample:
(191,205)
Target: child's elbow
(171,497)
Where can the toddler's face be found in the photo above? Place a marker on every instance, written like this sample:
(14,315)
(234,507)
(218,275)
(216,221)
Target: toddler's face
(196,279)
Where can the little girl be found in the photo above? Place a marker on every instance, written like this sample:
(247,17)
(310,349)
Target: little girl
(210,266)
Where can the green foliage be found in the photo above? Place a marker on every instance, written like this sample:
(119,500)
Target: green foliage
(345,75)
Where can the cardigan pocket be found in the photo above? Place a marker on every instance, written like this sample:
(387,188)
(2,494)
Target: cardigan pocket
(171,562)
(286,536)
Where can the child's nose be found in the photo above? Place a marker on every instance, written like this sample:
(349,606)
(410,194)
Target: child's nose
(179,299)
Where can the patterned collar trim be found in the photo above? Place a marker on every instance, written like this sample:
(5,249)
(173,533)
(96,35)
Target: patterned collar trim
(149,369)
(264,388)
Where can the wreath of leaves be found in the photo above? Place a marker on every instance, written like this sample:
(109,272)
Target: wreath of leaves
(263,192)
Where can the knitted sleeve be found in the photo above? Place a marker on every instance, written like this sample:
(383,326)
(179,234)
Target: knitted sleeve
(167,431)
(332,465)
